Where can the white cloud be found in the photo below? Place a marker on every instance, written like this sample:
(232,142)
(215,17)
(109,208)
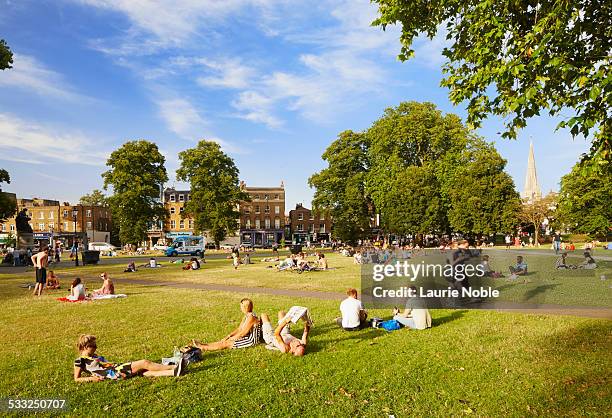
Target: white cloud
(28,73)
(229,73)
(31,142)
(257,108)
(182,118)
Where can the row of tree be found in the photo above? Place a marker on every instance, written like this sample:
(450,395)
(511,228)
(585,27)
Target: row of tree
(417,171)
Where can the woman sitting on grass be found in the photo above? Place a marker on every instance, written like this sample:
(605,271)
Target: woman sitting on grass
(108,288)
(77,290)
(588,263)
(52,281)
(99,369)
(322,262)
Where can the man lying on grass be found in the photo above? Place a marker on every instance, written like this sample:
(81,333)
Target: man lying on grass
(281,337)
(100,369)
(246,335)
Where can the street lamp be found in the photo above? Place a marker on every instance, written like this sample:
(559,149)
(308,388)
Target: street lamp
(75,213)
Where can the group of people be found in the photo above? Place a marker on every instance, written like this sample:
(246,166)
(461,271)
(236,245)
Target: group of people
(588,263)
(78,291)
(299,262)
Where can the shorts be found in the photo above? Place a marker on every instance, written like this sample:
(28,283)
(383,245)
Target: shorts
(245,342)
(126,369)
(41,275)
(267,333)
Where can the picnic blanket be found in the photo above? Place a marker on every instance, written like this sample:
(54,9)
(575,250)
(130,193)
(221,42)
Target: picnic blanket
(65,299)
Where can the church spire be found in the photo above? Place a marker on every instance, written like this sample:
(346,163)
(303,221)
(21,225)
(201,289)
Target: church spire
(531,192)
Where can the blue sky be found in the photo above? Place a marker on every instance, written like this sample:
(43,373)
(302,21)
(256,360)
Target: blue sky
(273,81)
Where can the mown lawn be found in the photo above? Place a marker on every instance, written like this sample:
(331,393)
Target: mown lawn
(470,363)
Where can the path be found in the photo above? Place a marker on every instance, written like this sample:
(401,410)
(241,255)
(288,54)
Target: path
(538,309)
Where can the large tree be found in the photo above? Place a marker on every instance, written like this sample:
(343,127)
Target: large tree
(215,190)
(517,59)
(8,205)
(584,201)
(6,56)
(340,187)
(95,198)
(412,147)
(481,195)
(136,176)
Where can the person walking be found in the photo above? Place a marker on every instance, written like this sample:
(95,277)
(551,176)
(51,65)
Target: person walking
(557,242)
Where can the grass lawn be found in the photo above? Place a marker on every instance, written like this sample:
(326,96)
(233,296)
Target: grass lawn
(544,283)
(470,363)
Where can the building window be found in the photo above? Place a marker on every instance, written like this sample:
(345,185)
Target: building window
(172,198)
(51,215)
(41,227)
(300,216)
(41,215)
(65,226)
(89,224)
(247,210)
(277,223)
(311,228)
(266,197)
(311,216)
(12,227)
(248,224)
(181,209)
(51,225)
(172,224)
(65,213)
(256,208)
(256,197)
(267,209)
(300,227)
(172,210)
(276,210)
(275,197)
(257,224)
(191,224)
(267,223)
(182,224)
(89,213)
(322,228)
(181,198)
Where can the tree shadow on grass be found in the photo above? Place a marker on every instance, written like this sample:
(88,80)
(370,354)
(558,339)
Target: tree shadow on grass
(538,291)
(448,318)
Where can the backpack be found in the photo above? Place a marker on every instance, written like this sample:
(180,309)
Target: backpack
(390,325)
(191,354)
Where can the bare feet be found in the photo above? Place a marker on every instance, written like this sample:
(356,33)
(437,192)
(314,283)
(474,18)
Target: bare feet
(197,343)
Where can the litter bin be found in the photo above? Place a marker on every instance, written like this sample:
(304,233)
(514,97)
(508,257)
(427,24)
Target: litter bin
(90,257)
(295,248)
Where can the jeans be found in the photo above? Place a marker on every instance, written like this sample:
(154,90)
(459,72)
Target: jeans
(407,322)
(557,246)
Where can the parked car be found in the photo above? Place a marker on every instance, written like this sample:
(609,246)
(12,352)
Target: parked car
(160,247)
(101,246)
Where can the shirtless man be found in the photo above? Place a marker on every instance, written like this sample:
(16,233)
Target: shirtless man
(40,261)
(246,335)
(281,338)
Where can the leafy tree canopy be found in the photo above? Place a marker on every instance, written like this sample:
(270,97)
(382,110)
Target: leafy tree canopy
(6,56)
(95,198)
(517,59)
(8,205)
(215,190)
(584,201)
(136,175)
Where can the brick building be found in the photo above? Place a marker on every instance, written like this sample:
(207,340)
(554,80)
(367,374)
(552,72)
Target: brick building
(63,221)
(262,220)
(309,226)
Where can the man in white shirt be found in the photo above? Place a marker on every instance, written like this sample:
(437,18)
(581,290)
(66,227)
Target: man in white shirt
(353,315)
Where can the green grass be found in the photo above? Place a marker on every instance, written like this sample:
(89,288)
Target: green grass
(470,363)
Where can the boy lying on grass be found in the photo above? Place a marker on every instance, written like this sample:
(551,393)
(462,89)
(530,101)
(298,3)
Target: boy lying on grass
(100,369)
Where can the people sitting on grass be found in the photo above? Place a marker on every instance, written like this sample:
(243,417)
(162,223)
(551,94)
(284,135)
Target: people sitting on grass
(358,258)
(354,316)
(288,263)
(108,288)
(246,259)
(99,369)
(561,262)
(235,260)
(486,268)
(77,290)
(280,338)
(247,334)
(413,317)
(589,262)
(131,267)
(322,262)
(52,280)
(193,264)
(302,263)
(519,269)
